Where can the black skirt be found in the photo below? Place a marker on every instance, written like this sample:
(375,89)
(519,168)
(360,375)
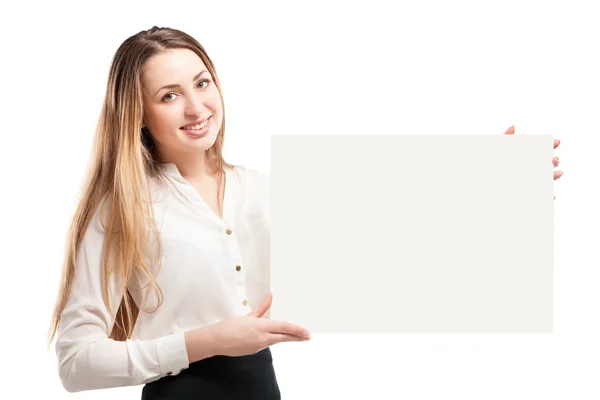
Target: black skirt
(220,377)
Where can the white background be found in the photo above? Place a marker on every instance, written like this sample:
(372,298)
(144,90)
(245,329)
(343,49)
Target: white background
(306,67)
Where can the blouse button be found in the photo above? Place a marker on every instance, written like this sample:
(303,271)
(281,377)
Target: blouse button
(228,231)
(238,268)
(245,302)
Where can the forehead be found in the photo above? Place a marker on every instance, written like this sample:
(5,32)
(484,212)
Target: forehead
(171,67)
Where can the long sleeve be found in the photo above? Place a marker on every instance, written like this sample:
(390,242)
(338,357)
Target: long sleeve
(87,358)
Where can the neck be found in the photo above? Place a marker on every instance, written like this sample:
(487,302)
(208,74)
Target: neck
(192,167)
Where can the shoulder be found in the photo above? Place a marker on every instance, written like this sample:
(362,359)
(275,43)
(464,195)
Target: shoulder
(256,193)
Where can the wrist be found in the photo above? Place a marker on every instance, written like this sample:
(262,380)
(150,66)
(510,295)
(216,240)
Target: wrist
(201,343)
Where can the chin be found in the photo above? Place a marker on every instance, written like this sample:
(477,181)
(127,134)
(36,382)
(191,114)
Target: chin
(199,144)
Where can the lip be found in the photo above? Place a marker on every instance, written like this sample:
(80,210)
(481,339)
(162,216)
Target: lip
(195,122)
(201,132)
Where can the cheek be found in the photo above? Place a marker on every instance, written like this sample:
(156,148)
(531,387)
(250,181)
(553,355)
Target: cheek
(162,124)
(215,102)
(163,119)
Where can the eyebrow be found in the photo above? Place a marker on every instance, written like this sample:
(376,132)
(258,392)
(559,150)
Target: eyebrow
(175,85)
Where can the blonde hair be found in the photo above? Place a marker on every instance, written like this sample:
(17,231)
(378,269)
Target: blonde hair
(123,158)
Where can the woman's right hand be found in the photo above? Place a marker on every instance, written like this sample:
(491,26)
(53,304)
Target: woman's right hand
(248,334)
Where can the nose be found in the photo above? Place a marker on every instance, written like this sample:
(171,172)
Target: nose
(194,106)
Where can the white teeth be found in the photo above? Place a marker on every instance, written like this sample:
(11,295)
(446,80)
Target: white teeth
(196,127)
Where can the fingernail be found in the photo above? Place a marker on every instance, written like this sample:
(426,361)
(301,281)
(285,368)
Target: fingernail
(306,334)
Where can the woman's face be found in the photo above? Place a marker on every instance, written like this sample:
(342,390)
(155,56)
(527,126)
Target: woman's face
(182,105)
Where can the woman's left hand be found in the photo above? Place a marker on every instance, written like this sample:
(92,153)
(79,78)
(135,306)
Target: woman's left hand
(557,174)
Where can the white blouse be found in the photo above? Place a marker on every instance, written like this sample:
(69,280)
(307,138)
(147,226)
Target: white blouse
(211,269)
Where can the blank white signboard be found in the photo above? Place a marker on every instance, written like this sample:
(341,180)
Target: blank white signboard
(412,233)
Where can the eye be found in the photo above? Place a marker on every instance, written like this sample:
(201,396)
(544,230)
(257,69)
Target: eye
(165,97)
(207,81)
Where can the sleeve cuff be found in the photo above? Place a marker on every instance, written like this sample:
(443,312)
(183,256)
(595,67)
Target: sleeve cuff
(172,354)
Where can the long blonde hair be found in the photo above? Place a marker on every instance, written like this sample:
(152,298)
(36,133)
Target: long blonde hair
(123,158)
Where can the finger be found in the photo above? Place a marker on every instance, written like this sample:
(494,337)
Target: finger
(554,197)
(286,328)
(556,143)
(280,337)
(557,174)
(510,131)
(263,306)
(555,161)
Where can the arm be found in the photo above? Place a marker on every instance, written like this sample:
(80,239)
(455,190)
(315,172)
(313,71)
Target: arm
(87,357)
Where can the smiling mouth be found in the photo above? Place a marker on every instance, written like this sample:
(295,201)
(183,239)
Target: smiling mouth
(196,127)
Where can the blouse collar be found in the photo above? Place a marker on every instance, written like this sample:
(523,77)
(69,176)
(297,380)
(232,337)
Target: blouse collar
(191,194)
(173,172)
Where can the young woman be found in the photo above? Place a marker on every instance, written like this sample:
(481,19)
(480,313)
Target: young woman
(166,279)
